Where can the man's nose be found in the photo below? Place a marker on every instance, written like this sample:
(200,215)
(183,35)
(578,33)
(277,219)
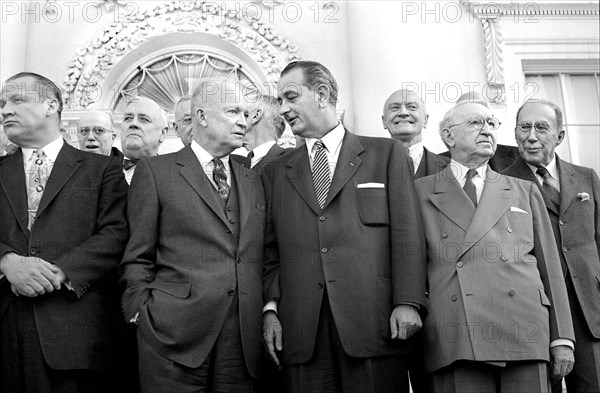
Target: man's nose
(284,108)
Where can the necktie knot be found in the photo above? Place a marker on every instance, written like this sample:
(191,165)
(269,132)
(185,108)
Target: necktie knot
(550,185)
(220,178)
(129,163)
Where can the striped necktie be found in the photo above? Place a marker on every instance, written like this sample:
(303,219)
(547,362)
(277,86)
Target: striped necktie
(320,173)
(220,178)
(469,186)
(36,182)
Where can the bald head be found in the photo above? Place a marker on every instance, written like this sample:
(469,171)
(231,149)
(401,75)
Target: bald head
(143,129)
(405,116)
(96,132)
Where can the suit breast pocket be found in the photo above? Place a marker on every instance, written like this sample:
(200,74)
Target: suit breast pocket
(373,206)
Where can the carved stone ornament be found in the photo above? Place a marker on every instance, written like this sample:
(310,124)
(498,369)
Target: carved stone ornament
(91,64)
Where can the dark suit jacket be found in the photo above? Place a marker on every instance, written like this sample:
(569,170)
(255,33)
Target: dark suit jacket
(363,248)
(503,158)
(431,163)
(81,228)
(274,152)
(496,291)
(576,228)
(183,264)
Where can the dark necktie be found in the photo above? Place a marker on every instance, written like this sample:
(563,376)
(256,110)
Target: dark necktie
(249,157)
(320,173)
(220,178)
(549,186)
(36,183)
(128,164)
(411,164)
(469,186)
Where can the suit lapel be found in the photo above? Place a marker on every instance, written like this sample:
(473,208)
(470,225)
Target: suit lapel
(273,152)
(67,163)
(451,200)
(193,173)
(12,179)
(495,200)
(347,164)
(568,188)
(300,176)
(524,172)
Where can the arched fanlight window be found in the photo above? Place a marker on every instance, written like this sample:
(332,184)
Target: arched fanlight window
(168,79)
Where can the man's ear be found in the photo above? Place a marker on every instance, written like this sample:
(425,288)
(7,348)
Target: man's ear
(425,120)
(561,137)
(447,136)
(383,122)
(323,94)
(201,116)
(163,134)
(113,136)
(256,115)
(52,106)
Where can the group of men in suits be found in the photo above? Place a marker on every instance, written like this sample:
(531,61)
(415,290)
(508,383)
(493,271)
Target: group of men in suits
(330,251)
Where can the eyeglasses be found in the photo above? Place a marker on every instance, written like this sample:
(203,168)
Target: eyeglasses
(540,126)
(98,131)
(478,124)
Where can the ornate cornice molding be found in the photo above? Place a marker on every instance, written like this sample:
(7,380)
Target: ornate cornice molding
(91,64)
(510,9)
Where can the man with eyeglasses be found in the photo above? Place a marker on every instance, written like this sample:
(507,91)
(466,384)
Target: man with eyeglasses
(498,309)
(183,120)
(572,197)
(143,129)
(95,131)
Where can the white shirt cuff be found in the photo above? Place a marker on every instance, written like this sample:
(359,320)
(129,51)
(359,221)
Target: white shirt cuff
(270,306)
(563,341)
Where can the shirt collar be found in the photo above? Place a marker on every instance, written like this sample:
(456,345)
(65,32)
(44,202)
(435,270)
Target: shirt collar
(51,150)
(416,149)
(460,171)
(552,168)
(205,157)
(331,140)
(261,150)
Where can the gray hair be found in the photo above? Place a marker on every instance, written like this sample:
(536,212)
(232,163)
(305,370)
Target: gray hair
(558,114)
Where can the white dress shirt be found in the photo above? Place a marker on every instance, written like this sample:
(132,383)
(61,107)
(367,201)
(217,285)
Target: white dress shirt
(260,152)
(205,159)
(552,169)
(416,152)
(460,173)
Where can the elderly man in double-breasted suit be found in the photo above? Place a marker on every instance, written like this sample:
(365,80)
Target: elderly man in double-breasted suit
(498,308)
(572,198)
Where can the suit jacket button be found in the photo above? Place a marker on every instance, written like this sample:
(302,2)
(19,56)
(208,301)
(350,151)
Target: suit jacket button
(321,218)
(511,293)
(460,264)
(444,235)
(33,251)
(231,222)
(561,222)
(238,260)
(504,258)
(509,229)
(324,250)
(454,298)
(564,249)
(320,286)
(231,292)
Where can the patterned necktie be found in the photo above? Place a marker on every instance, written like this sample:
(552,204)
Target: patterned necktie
(550,186)
(128,164)
(411,164)
(38,171)
(469,186)
(220,178)
(320,173)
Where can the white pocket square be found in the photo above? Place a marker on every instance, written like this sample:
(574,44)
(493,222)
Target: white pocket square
(518,210)
(370,185)
(583,196)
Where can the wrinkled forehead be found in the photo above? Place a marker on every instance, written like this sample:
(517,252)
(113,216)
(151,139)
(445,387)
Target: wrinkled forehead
(404,97)
(144,106)
(183,107)
(537,112)
(92,119)
(471,111)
